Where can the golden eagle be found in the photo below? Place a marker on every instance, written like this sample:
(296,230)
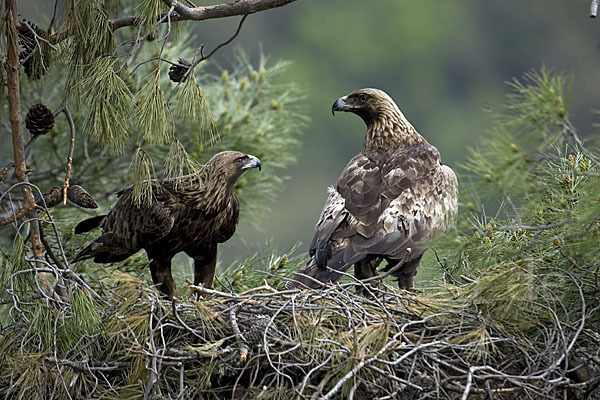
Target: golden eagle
(389,202)
(192,214)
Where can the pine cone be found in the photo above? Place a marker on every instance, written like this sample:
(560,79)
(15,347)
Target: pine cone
(176,72)
(28,45)
(79,196)
(39,119)
(53,196)
(254,335)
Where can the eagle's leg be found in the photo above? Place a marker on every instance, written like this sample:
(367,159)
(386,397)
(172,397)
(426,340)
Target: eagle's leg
(204,267)
(406,273)
(160,268)
(367,268)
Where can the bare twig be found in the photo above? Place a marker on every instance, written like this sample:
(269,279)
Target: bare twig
(206,57)
(67,113)
(16,216)
(39,39)
(238,334)
(5,170)
(137,43)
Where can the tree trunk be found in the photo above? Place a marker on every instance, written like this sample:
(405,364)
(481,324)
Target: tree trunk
(14,106)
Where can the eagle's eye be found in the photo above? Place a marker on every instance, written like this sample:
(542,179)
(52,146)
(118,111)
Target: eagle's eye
(363,98)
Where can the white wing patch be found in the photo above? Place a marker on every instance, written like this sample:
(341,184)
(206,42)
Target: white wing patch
(333,206)
(428,205)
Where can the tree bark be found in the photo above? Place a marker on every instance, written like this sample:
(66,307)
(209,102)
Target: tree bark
(14,106)
(183,13)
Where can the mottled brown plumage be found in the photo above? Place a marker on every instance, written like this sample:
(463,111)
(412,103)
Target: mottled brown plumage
(192,214)
(389,202)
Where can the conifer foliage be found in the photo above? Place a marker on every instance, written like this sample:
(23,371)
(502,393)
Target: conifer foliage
(532,198)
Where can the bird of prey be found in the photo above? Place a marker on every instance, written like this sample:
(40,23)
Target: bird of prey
(192,214)
(390,201)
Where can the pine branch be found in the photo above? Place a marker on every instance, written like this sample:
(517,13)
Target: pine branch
(14,105)
(206,57)
(5,170)
(67,113)
(224,10)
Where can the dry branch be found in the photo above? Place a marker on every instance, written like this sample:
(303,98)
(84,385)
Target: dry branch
(67,113)
(224,10)
(51,198)
(5,170)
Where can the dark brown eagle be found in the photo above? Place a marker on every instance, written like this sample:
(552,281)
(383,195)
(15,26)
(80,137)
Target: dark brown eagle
(389,202)
(193,214)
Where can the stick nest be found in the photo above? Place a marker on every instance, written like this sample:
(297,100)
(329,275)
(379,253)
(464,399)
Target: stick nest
(495,338)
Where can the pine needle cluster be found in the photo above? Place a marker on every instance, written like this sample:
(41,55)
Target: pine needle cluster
(109,105)
(530,213)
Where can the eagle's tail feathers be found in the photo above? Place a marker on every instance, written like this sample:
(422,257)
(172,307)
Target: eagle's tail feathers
(104,249)
(85,253)
(312,276)
(106,257)
(88,224)
(322,253)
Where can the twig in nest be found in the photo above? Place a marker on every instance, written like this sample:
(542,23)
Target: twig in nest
(238,334)
(186,326)
(86,365)
(200,290)
(265,286)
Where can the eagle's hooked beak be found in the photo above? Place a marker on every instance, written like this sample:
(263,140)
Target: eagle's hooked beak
(253,162)
(339,105)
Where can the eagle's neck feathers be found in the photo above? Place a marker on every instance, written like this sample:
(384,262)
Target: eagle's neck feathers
(212,195)
(390,130)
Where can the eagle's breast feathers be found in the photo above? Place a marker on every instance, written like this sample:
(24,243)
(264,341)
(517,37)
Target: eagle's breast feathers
(389,201)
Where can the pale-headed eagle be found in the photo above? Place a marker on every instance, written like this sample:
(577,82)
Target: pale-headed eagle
(192,214)
(390,201)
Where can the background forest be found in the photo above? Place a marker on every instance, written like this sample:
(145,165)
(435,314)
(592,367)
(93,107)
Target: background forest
(507,304)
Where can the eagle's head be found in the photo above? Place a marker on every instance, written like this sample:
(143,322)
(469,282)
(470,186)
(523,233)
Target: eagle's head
(369,104)
(231,164)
